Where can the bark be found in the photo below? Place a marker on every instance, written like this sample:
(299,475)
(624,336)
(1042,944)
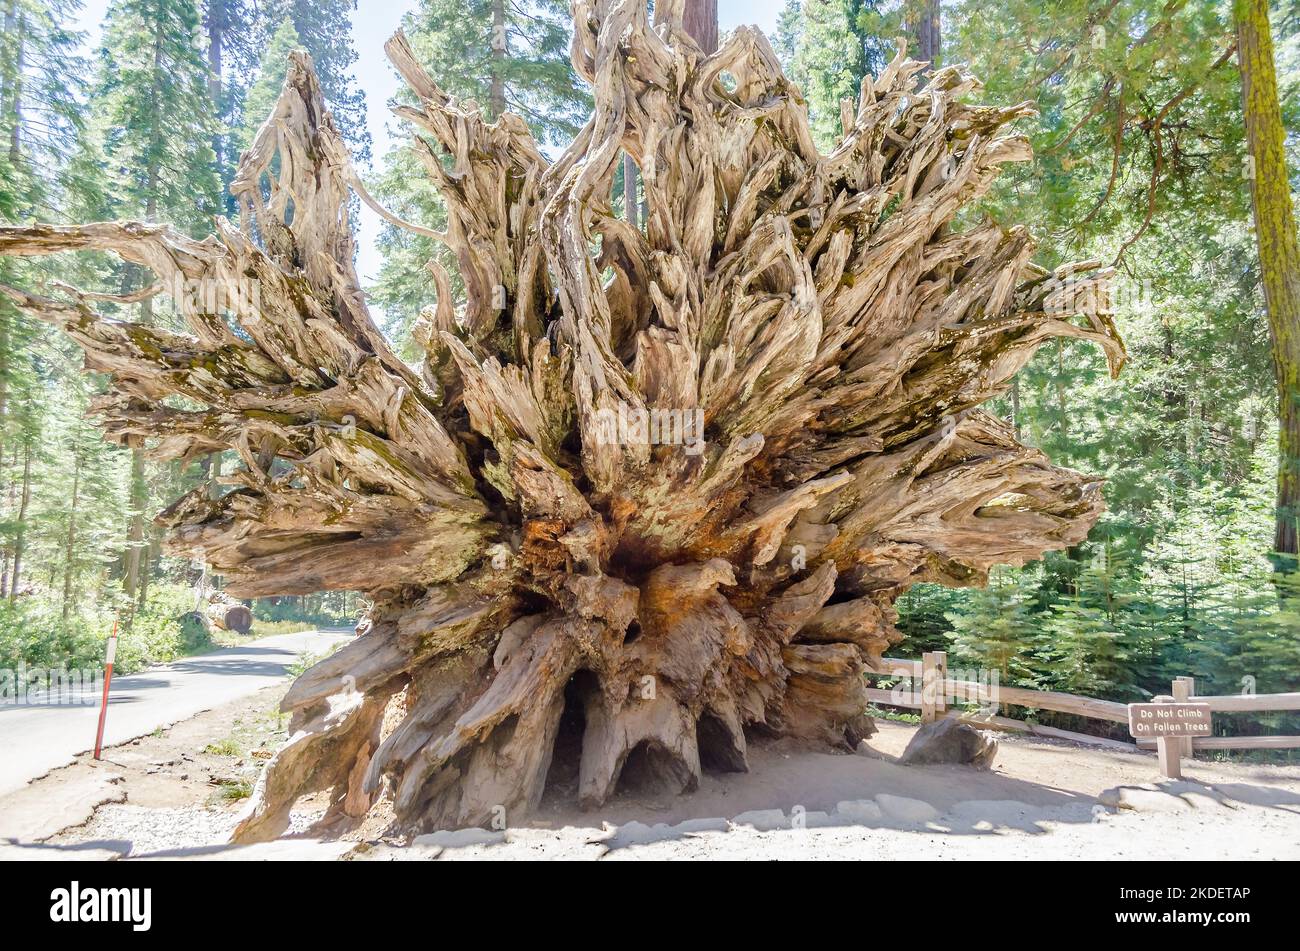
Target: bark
(1279,252)
(135,526)
(562,596)
(218,22)
(135,582)
(700,21)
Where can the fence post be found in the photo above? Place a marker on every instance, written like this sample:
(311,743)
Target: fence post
(927,687)
(1184,690)
(1168,749)
(940,684)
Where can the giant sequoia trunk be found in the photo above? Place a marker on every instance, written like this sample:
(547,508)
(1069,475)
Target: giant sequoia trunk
(550,542)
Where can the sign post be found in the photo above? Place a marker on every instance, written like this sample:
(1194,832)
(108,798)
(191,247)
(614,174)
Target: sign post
(108,679)
(1170,724)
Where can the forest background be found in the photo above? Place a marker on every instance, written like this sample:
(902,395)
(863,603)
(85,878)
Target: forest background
(140,108)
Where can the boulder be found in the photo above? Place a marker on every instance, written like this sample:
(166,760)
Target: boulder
(951,741)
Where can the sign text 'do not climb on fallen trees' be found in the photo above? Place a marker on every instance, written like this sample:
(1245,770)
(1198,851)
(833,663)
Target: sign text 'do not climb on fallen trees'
(1151,721)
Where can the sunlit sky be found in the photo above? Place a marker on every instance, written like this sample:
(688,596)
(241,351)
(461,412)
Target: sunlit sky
(373,23)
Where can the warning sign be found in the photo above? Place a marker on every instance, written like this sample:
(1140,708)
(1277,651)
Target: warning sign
(1149,721)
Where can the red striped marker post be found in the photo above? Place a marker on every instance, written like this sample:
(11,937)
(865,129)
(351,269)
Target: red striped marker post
(108,679)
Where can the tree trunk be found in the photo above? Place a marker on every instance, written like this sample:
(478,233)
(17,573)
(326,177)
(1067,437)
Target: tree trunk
(137,501)
(15,92)
(70,538)
(227,614)
(6,65)
(20,526)
(500,49)
(137,562)
(1015,409)
(1279,253)
(12,504)
(701,23)
(652,495)
(924,27)
(218,22)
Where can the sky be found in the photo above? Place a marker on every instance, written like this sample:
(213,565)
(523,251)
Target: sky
(373,23)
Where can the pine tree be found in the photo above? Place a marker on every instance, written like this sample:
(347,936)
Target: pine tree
(324,29)
(830,45)
(153,95)
(504,56)
(232,56)
(995,628)
(152,92)
(40,117)
(1087,649)
(1279,253)
(265,90)
(40,126)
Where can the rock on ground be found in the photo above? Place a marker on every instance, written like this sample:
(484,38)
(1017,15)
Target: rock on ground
(951,742)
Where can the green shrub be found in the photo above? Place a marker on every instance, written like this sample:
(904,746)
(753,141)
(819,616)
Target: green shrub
(34,632)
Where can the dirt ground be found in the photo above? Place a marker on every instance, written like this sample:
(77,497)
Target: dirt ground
(177,792)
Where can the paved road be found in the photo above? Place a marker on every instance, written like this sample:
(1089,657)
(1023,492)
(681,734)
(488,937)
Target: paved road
(36,738)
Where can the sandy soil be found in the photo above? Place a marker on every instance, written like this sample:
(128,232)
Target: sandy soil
(177,792)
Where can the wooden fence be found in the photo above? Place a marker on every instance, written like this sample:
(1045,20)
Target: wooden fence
(936,688)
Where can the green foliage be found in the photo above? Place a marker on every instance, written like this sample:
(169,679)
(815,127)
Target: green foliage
(995,628)
(324,28)
(34,632)
(41,81)
(1139,158)
(1198,597)
(326,609)
(227,747)
(829,46)
(151,96)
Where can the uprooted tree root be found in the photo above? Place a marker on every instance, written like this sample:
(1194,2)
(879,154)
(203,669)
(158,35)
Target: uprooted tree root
(531,556)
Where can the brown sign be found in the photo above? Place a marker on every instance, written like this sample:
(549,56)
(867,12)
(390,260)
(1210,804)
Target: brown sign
(1148,721)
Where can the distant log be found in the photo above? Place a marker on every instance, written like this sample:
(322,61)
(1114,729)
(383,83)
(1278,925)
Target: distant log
(228,614)
(652,493)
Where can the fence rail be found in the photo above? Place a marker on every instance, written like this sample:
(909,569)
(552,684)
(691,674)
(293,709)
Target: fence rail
(936,687)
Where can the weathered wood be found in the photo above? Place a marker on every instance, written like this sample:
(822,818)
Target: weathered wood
(1020,726)
(662,486)
(1252,703)
(1235,743)
(1043,700)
